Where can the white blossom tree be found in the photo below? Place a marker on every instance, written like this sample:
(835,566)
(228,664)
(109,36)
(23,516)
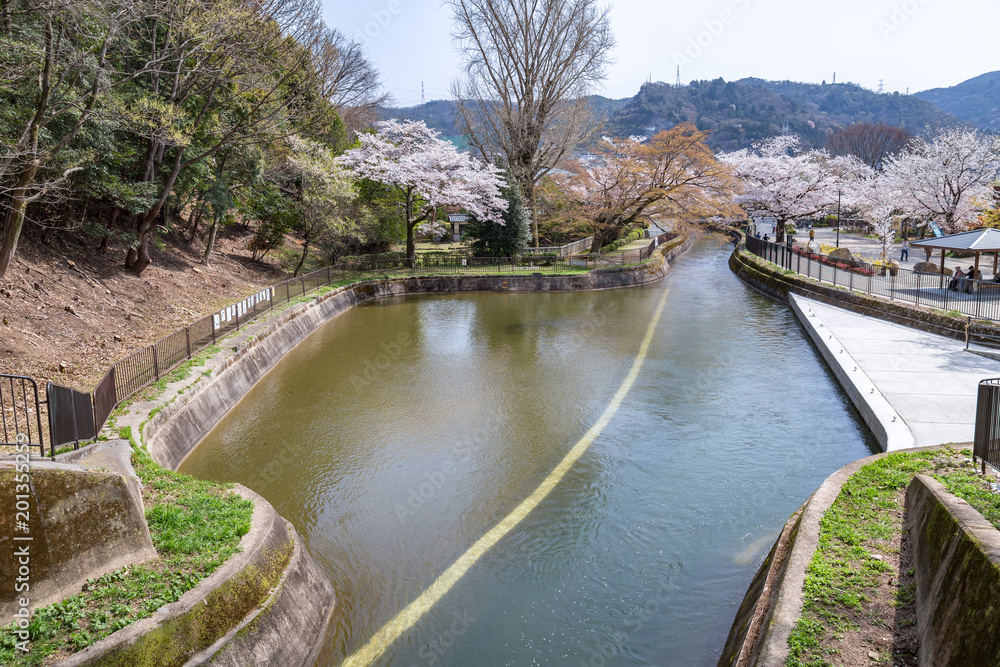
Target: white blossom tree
(428,171)
(946,176)
(877,196)
(780,181)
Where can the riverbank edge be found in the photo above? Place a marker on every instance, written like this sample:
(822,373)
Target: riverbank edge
(777,608)
(176,430)
(269,585)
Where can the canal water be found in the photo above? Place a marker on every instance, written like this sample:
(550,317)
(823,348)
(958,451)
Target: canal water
(399,433)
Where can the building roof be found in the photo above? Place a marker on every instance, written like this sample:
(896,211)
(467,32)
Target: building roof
(978,240)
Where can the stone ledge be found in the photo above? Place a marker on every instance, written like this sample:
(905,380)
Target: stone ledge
(956,554)
(242,585)
(64,551)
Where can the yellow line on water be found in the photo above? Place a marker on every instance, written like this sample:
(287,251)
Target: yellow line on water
(408,617)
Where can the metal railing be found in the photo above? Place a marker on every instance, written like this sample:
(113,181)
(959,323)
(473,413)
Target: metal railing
(20,412)
(986,445)
(979,299)
(566,250)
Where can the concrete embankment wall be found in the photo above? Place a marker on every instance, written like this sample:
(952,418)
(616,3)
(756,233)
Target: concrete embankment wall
(175,431)
(58,551)
(267,605)
(956,554)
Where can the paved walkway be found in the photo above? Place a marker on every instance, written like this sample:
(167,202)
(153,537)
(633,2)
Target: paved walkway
(926,382)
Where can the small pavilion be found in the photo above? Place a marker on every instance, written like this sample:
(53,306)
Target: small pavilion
(977,242)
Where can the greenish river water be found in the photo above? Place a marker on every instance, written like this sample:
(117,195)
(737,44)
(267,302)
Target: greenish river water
(400,432)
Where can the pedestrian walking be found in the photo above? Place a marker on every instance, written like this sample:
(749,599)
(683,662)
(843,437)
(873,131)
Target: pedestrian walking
(904,254)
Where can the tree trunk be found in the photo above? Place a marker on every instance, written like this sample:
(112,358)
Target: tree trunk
(14,220)
(112,219)
(197,221)
(138,257)
(213,233)
(302,259)
(534,212)
(411,246)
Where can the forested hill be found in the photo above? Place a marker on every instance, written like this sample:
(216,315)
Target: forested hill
(976,100)
(739,113)
(440,114)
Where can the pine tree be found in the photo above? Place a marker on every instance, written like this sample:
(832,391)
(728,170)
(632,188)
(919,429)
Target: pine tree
(491,239)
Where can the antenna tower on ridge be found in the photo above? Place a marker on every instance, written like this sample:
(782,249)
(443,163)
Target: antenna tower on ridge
(421,92)
(881,86)
(835,77)
(678,82)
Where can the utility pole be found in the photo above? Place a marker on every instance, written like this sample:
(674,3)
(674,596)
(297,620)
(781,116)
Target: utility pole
(421,92)
(838,217)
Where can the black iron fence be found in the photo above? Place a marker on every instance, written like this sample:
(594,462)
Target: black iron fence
(979,299)
(986,446)
(20,412)
(75,415)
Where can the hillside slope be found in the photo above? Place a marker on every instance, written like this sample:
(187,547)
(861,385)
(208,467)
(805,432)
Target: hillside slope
(976,100)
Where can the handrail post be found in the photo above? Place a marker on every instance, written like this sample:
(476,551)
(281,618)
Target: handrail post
(187,339)
(156,363)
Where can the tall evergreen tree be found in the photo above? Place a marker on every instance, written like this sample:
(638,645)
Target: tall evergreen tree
(492,239)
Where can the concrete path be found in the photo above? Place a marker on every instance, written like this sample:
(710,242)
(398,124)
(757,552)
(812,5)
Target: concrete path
(928,383)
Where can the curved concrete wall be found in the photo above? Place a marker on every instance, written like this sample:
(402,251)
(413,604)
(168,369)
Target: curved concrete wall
(176,430)
(267,605)
(64,551)
(956,554)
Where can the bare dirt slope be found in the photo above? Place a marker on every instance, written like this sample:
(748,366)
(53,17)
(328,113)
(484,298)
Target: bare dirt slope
(68,313)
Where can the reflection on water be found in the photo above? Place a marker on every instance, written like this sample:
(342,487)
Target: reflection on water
(401,431)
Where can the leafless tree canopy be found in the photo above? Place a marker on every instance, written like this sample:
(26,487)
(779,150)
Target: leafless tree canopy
(528,66)
(357,90)
(871,143)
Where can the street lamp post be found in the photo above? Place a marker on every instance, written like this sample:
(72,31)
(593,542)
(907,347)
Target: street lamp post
(838,218)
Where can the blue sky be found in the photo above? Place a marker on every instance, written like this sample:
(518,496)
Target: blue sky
(915,44)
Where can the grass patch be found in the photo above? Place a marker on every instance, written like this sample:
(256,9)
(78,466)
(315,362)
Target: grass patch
(851,585)
(195,526)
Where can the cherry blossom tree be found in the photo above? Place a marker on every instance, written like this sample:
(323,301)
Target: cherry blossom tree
(877,196)
(780,181)
(428,171)
(945,177)
(675,173)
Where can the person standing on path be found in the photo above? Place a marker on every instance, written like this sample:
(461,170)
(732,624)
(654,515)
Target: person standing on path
(904,254)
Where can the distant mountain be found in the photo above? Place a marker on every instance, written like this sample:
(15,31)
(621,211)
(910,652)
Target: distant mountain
(976,100)
(440,115)
(739,113)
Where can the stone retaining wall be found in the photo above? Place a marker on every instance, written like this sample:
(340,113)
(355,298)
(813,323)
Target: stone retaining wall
(775,283)
(267,605)
(956,554)
(64,551)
